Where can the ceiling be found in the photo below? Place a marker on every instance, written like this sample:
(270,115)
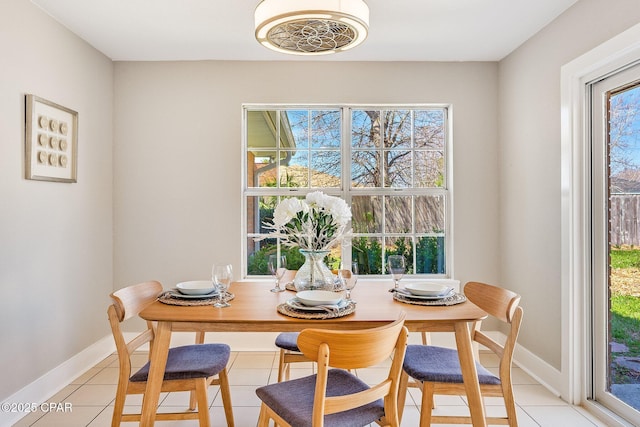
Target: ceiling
(400,30)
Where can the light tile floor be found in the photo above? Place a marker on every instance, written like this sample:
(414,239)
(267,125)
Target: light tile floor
(91,397)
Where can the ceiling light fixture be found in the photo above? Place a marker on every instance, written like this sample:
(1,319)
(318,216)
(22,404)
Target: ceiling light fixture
(311,27)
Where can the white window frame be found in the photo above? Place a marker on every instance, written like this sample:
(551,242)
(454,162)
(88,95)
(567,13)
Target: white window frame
(345,191)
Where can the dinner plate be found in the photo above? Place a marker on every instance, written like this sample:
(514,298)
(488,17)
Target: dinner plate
(176,293)
(427,297)
(319,297)
(427,289)
(299,305)
(196,287)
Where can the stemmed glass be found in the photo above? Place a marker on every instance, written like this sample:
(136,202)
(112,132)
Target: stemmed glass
(277,267)
(348,278)
(397,268)
(222,275)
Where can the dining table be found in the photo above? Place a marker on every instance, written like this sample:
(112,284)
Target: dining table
(255,309)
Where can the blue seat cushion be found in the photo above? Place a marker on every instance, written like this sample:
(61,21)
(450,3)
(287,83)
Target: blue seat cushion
(439,364)
(191,361)
(293,400)
(288,341)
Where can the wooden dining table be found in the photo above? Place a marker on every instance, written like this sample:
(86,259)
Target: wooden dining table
(254,309)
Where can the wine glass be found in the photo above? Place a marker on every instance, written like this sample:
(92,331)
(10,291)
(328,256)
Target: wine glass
(277,267)
(397,268)
(348,278)
(222,274)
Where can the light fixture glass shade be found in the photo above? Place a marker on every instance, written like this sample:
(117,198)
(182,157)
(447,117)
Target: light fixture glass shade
(311,27)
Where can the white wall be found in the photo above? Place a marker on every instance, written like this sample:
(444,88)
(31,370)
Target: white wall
(529,159)
(178,152)
(55,238)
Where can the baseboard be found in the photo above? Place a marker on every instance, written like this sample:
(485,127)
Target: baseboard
(56,379)
(541,371)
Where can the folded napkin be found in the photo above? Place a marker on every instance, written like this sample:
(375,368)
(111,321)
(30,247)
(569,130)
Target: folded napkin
(295,303)
(447,292)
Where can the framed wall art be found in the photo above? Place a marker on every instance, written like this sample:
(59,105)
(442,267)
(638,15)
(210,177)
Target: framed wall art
(51,141)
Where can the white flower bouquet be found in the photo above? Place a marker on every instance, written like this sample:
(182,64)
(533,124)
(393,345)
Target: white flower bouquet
(316,223)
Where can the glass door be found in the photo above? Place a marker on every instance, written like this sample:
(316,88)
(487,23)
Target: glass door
(615,284)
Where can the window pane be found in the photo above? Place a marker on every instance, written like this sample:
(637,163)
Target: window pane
(261,130)
(367,251)
(429,129)
(365,129)
(295,128)
(365,171)
(366,214)
(259,210)
(430,255)
(325,129)
(326,168)
(397,166)
(261,171)
(397,129)
(400,246)
(429,169)
(294,169)
(258,256)
(429,214)
(397,214)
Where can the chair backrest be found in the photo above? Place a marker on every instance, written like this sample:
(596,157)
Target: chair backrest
(131,300)
(502,304)
(128,302)
(352,349)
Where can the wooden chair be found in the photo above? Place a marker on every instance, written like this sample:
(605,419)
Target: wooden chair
(287,342)
(189,368)
(336,397)
(437,369)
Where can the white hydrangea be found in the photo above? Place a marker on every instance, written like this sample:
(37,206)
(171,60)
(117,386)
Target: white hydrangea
(317,223)
(286,210)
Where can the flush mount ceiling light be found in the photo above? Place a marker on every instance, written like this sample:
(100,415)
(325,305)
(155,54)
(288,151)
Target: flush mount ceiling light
(311,27)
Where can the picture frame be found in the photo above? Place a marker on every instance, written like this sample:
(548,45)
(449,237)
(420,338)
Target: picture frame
(51,141)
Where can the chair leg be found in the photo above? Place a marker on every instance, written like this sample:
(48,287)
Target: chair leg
(510,404)
(203,402)
(281,367)
(426,338)
(226,397)
(192,397)
(118,407)
(426,405)
(263,419)
(192,400)
(402,393)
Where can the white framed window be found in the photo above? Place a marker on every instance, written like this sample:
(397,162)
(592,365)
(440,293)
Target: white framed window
(390,163)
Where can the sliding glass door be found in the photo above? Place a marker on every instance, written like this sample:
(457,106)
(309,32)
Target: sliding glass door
(615,215)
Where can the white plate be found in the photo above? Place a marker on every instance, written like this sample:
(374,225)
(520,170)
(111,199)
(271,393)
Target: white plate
(312,298)
(196,287)
(298,305)
(176,293)
(426,297)
(427,289)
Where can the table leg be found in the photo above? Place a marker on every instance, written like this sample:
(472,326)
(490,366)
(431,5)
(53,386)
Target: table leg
(470,374)
(159,351)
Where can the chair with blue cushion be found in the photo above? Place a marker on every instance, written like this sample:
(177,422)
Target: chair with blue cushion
(436,370)
(287,342)
(189,368)
(337,397)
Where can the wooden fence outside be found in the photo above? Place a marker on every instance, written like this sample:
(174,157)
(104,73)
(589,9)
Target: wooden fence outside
(624,216)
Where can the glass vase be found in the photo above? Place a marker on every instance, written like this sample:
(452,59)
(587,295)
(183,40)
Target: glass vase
(314,273)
